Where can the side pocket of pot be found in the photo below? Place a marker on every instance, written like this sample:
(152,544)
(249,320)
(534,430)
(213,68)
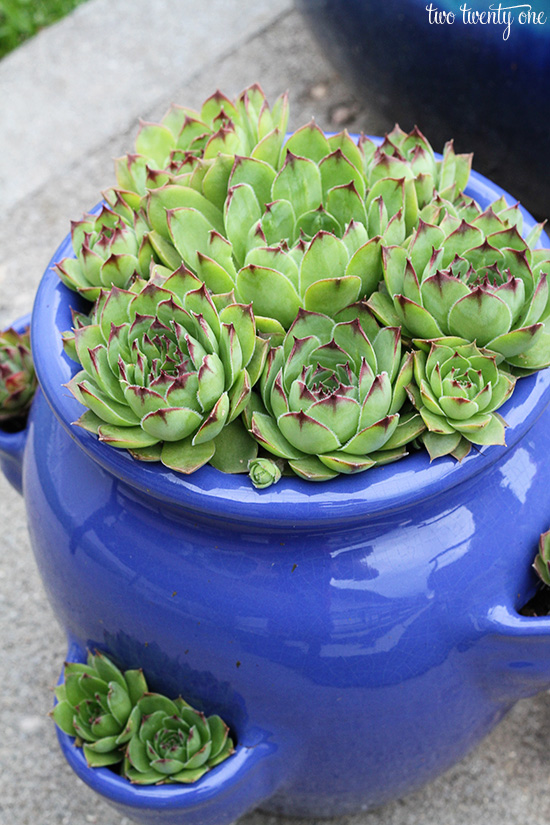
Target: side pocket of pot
(12,446)
(12,442)
(517,651)
(224,794)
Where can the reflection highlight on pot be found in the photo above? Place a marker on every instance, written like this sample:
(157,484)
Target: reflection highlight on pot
(518,473)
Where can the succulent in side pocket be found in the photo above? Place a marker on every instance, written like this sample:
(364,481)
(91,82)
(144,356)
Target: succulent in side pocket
(542,559)
(17,378)
(174,743)
(97,704)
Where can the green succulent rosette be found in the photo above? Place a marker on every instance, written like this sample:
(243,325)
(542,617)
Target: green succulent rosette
(109,252)
(98,704)
(478,281)
(164,372)
(457,392)
(542,559)
(17,377)
(331,400)
(174,743)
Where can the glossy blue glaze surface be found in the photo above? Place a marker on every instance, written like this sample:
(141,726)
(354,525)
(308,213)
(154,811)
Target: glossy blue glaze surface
(359,636)
(460,81)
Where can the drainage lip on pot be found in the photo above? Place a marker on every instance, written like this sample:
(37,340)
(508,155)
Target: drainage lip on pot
(292,501)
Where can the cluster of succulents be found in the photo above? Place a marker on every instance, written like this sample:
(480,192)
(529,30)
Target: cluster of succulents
(118,722)
(313,306)
(17,378)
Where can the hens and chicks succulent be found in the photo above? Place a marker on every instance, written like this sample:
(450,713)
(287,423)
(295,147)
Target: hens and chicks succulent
(315,304)
(118,722)
(17,378)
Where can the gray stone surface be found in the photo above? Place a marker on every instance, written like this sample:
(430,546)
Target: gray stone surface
(71,102)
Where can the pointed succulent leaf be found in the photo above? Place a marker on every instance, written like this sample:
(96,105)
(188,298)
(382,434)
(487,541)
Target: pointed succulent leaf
(484,429)
(372,437)
(337,170)
(241,212)
(479,316)
(275,257)
(346,205)
(307,434)
(439,445)
(213,275)
(129,438)
(349,148)
(279,222)
(330,295)
(508,238)
(270,292)
(155,141)
(171,423)
(311,468)
(416,319)
(215,182)
(266,432)
(299,182)
(439,294)
(341,462)
(426,238)
(517,341)
(257,174)
(308,142)
(384,310)
(183,457)
(235,449)
(326,257)
(190,233)
(536,357)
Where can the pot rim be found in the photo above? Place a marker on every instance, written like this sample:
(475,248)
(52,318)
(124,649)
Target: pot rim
(292,501)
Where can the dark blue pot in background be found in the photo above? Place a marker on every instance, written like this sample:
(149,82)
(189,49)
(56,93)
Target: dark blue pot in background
(454,81)
(359,636)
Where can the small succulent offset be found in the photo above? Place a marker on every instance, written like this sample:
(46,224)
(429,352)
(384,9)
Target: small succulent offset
(174,743)
(327,301)
(264,472)
(97,704)
(17,378)
(457,390)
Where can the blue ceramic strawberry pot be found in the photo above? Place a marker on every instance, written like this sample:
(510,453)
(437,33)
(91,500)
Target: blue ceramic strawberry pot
(359,636)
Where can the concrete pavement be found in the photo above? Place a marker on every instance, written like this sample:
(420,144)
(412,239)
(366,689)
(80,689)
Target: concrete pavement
(71,100)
